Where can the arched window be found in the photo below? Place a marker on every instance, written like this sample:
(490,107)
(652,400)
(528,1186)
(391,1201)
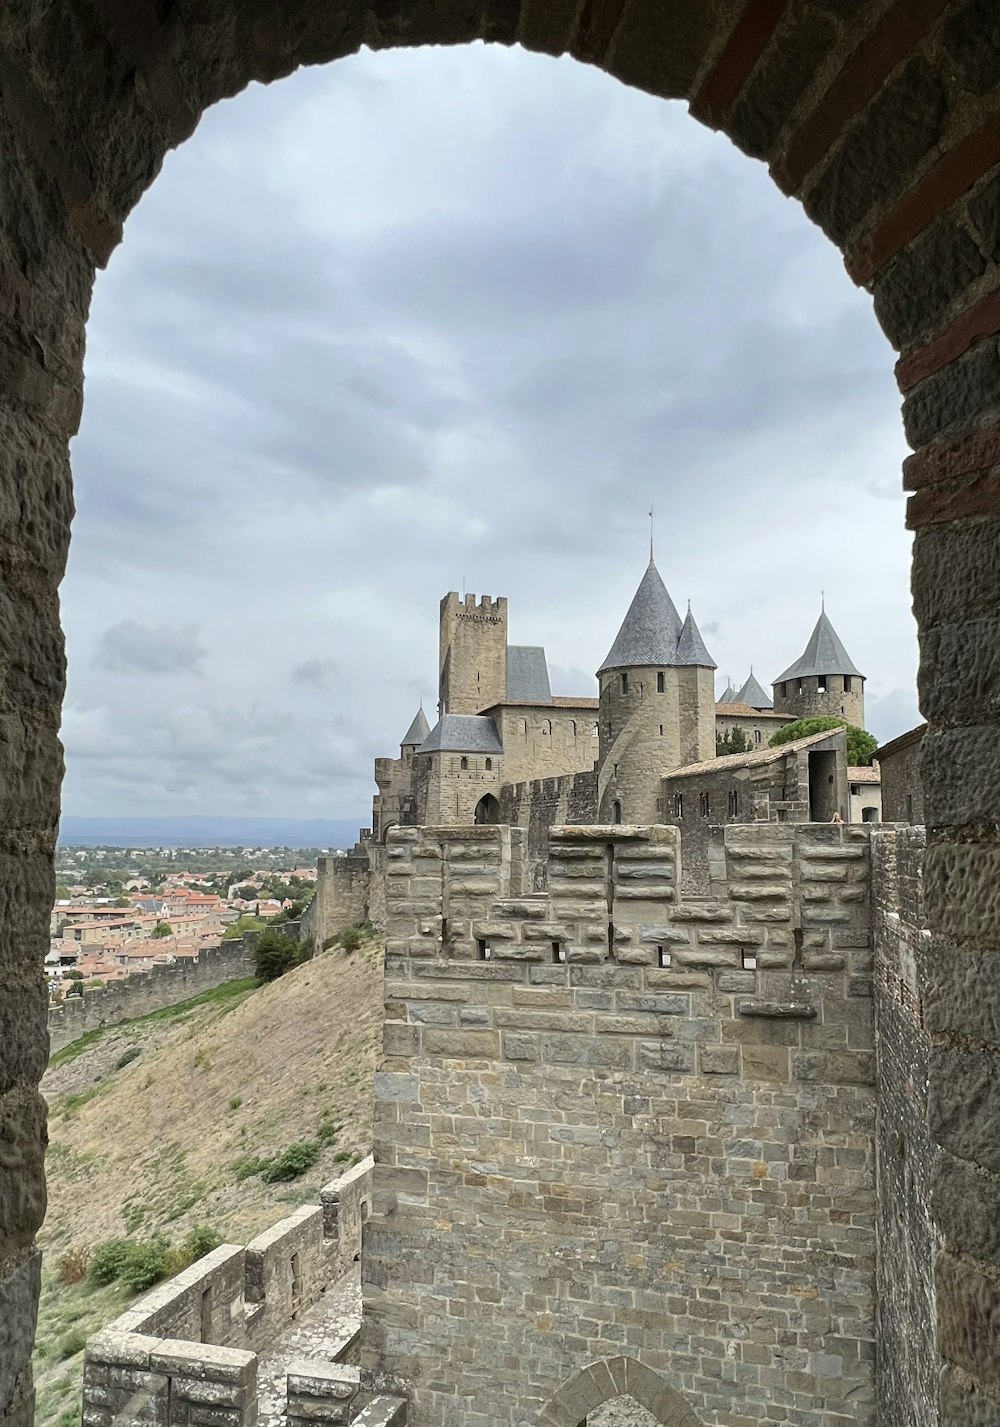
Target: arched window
(522,727)
(616,811)
(487,812)
(546,725)
(489,765)
(661,683)
(464,764)
(572,724)
(847,683)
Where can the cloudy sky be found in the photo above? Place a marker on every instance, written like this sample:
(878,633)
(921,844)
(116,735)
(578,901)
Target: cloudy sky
(422,320)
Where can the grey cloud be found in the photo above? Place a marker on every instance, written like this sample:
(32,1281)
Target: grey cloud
(131,648)
(352,349)
(317,672)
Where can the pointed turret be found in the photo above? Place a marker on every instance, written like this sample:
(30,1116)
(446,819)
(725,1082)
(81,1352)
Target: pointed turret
(657,704)
(753,695)
(690,645)
(417,731)
(728,695)
(824,654)
(823,680)
(650,631)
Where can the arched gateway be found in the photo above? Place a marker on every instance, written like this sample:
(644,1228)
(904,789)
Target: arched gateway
(602,1381)
(882,118)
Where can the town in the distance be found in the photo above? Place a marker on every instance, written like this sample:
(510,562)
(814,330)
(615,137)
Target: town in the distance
(120,910)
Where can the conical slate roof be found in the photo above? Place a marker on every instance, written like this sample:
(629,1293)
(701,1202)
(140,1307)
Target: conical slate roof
(753,695)
(418,729)
(690,646)
(824,654)
(728,695)
(649,631)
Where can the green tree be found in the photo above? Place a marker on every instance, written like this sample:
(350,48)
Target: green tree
(861,745)
(62,892)
(163,929)
(247,894)
(734,741)
(241,926)
(274,954)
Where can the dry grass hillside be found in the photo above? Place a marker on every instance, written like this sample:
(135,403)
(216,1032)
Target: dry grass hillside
(162,1124)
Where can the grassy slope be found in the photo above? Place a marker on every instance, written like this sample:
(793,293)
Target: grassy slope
(154,1146)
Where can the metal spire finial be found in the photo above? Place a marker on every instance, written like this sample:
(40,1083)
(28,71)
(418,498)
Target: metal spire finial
(650,532)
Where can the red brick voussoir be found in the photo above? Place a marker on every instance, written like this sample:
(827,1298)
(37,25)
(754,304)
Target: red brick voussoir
(740,53)
(980,320)
(954,173)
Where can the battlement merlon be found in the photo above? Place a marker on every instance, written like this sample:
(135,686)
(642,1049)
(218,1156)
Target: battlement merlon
(785,898)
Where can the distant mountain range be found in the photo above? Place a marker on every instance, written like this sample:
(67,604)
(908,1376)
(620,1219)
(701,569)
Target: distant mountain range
(209,832)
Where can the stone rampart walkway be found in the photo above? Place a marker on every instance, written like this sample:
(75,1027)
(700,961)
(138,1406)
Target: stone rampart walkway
(318,1334)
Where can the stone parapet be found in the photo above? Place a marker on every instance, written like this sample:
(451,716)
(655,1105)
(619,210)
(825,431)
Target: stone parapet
(193,1342)
(598,1089)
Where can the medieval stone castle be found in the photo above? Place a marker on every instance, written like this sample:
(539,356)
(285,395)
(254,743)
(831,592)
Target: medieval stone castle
(502,735)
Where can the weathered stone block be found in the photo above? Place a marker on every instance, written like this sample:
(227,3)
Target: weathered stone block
(718,1060)
(462,1045)
(963,1104)
(968,1317)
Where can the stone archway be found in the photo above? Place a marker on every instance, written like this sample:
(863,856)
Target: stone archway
(487,811)
(881,118)
(609,1378)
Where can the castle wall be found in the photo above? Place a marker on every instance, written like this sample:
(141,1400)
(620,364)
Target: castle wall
(393,804)
(450,792)
(758,727)
(472,654)
(343,893)
(152,990)
(902,784)
(907,1360)
(542,804)
(645,732)
(546,741)
(812,702)
(610,1121)
(776,791)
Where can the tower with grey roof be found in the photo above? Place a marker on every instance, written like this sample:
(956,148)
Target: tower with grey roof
(657,704)
(824,680)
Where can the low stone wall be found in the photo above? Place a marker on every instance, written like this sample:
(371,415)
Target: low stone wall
(193,1342)
(146,991)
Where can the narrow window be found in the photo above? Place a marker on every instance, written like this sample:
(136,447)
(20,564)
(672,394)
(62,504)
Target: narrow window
(558,952)
(749,960)
(756,735)
(855,790)
(734,804)
(821,684)
(909,807)
(679,805)
(624,683)
(661,730)
(703,804)
(616,811)
(781,690)
(546,725)
(464,765)
(484,949)
(489,765)
(206,1315)
(661,684)
(799,686)
(663,956)
(296,1281)
(572,724)
(847,683)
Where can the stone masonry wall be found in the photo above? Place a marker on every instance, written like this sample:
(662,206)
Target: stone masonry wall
(343,890)
(907,1370)
(610,1121)
(544,803)
(189,1347)
(146,991)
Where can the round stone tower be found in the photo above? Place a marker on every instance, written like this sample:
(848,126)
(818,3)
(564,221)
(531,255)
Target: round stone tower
(657,705)
(824,680)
